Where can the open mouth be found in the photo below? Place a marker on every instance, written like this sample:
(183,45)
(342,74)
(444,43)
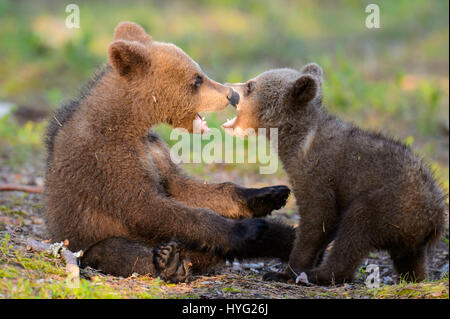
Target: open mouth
(200,125)
(230,123)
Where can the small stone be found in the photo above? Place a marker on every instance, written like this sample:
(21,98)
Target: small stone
(236,265)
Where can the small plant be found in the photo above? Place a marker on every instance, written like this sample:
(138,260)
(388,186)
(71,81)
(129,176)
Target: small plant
(19,143)
(445,240)
(232,290)
(5,246)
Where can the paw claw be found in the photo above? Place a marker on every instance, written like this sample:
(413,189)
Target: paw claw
(172,265)
(264,200)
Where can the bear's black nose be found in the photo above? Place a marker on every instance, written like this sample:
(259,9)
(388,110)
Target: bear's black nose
(233,97)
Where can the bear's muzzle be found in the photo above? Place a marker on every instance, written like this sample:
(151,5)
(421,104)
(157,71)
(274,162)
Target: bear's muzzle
(233,97)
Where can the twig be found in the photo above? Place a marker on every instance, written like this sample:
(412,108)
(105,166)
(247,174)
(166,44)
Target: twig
(60,249)
(20,188)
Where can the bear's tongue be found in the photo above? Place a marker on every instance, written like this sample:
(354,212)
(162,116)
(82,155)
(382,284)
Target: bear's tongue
(230,123)
(200,125)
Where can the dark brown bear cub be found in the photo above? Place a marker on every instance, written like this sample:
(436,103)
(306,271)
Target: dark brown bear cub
(363,190)
(112,190)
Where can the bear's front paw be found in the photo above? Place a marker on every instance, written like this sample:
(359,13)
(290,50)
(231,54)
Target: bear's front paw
(262,201)
(247,232)
(171,263)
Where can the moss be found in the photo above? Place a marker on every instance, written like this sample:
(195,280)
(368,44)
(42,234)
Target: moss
(40,262)
(12,212)
(51,288)
(8,272)
(20,283)
(38,275)
(431,289)
(232,290)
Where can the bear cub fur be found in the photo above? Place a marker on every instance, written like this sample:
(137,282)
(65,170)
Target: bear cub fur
(112,190)
(362,190)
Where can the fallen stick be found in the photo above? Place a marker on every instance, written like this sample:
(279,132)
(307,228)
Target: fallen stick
(60,249)
(20,188)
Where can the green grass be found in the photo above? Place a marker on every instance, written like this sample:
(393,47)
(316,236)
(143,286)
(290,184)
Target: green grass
(54,288)
(430,289)
(232,290)
(20,144)
(38,275)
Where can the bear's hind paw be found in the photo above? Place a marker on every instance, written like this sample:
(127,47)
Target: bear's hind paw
(172,264)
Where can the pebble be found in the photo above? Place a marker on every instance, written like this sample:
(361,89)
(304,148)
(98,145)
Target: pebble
(236,265)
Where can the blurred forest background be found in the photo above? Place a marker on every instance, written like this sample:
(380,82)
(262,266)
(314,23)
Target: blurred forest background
(394,79)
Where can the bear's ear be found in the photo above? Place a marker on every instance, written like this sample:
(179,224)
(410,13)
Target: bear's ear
(132,32)
(128,58)
(313,69)
(305,89)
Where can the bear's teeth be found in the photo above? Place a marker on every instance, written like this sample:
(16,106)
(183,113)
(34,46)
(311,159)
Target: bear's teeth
(230,123)
(200,125)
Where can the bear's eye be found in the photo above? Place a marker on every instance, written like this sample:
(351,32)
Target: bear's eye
(250,87)
(198,80)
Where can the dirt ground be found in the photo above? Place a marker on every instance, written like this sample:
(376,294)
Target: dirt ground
(21,217)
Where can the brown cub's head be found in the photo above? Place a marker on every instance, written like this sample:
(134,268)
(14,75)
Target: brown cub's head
(161,77)
(275,97)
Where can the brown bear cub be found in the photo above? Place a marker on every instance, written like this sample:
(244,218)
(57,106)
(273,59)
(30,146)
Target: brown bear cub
(361,190)
(112,190)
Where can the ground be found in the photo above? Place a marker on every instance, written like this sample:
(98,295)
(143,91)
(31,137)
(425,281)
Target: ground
(39,275)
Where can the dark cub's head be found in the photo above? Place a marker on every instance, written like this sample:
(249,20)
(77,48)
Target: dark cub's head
(276,97)
(161,77)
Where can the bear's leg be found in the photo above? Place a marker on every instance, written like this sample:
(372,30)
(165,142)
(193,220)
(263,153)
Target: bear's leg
(410,265)
(351,244)
(308,247)
(341,264)
(262,201)
(315,232)
(275,242)
(122,257)
(203,262)
(228,199)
